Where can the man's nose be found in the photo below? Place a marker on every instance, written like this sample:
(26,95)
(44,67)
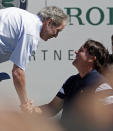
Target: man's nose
(76,51)
(56,34)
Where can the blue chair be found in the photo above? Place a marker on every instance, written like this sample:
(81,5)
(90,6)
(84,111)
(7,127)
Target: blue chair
(4,76)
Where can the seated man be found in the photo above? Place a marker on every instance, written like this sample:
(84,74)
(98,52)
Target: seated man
(84,96)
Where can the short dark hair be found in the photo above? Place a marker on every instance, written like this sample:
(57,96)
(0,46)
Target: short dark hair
(97,49)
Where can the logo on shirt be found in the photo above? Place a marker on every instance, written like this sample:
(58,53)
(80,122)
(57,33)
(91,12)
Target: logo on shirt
(13,3)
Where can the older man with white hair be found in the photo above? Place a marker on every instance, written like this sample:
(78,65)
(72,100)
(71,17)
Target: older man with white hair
(20,33)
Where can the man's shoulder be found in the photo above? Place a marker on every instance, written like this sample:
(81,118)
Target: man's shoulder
(95,76)
(13,10)
(71,82)
(77,76)
(73,78)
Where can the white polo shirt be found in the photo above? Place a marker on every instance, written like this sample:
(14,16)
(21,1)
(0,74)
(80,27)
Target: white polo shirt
(19,35)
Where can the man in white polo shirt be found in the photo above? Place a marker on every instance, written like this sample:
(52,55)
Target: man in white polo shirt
(20,32)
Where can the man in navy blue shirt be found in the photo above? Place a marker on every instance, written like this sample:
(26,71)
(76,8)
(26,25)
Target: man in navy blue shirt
(81,93)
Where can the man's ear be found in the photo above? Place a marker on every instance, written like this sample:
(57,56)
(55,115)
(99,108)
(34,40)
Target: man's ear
(93,58)
(50,21)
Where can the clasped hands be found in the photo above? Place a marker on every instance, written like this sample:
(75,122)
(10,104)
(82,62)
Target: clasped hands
(28,107)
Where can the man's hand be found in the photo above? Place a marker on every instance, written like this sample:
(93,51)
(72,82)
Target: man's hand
(30,108)
(27,107)
(37,110)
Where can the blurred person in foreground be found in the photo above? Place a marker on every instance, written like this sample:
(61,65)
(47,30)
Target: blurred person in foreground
(15,121)
(86,98)
(20,33)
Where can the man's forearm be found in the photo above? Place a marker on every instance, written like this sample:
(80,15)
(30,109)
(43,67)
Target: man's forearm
(19,82)
(45,110)
(21,91)
(52,108)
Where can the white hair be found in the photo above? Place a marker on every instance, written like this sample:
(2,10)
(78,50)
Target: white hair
(53,12)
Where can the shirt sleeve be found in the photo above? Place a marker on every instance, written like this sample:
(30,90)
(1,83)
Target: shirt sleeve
(67,86)
(61,93)
(21,54)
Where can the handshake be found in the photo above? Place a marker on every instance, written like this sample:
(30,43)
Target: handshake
(30,108)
